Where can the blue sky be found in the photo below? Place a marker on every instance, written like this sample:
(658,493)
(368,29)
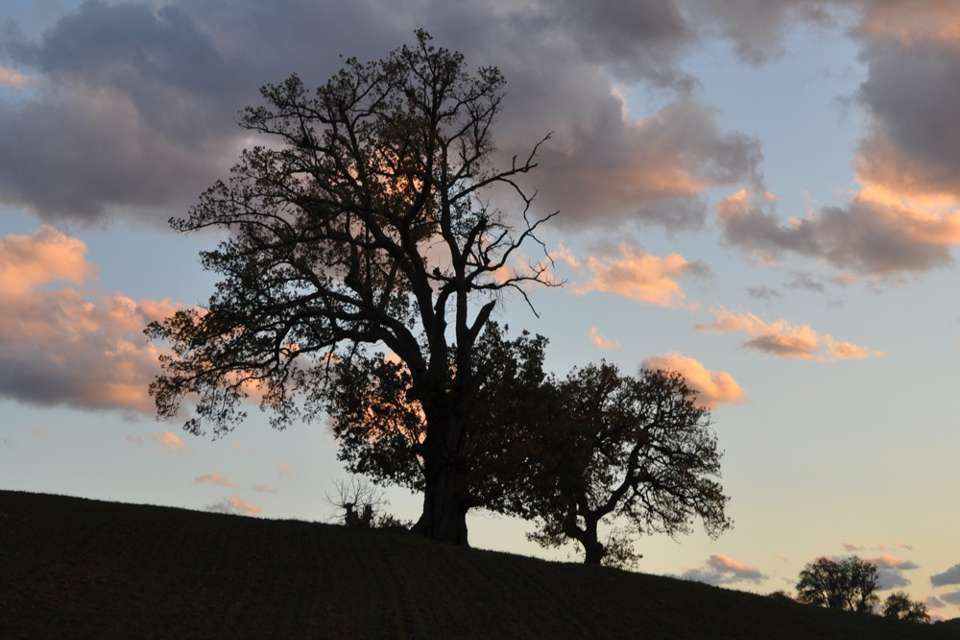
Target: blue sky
(823,451)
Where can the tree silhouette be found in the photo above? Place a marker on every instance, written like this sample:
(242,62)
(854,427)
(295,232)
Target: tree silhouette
(848,584)
(381,425)
(618,449)
(367,224)
(357,502)
(899,606)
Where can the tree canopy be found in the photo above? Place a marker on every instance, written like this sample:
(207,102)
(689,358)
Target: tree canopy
(363,219)
(899,606)
(637,452)
(849,583)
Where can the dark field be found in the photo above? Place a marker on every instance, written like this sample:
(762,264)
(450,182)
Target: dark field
(75,568)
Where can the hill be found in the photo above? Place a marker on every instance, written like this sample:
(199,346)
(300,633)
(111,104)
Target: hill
(76,568)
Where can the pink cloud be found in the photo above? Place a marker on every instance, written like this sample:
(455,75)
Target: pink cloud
(235,505)
(723,569)
(714,387)
(171,441)
(784,339)
(637,275)
(286,470)
(214,478)
(61,346)
(891,562)
(600,342)
(723,562)
(12,78)
(47,256)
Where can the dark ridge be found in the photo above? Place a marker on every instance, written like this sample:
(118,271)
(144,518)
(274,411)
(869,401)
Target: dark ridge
(77,568)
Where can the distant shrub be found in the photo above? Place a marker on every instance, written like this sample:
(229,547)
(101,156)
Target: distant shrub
(781,595)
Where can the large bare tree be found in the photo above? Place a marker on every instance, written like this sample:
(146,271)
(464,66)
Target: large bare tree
(364,219)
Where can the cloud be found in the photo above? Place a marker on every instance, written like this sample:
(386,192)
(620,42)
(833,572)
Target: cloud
(214,478)
(910,22)
(888,578)
(650,171)
(234,505)
(12,78)
(59,346)
(264,488)
(757,27)
(805,281)
(600,342)
(764,292)
(784,339)
(952,597)
(721,569)
(286,470)
(713,387)
(933,602)
(911,83)
(890,570)
(950,576)
(640,276)
(893,562)
(871,235)
(46,257)
(849,546)
(155,91)
(171,441)
(904,218)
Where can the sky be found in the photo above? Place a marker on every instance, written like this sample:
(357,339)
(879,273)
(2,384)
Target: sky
(762,194)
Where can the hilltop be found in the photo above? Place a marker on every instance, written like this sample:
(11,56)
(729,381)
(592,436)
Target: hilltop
(77,568)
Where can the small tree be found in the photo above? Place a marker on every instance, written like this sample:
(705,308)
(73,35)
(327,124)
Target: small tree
(849,584)
(899,606)
(357,502)
(781,596)
(619,449)
(366,224)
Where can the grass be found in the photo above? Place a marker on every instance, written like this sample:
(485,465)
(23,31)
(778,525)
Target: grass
(76,568)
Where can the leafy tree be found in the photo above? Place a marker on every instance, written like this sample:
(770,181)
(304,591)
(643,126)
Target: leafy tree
(367,223)
(899,606)
(381,425)
(618,449)
(848,584)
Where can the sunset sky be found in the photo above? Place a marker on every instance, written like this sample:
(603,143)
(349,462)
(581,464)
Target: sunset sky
(763,194)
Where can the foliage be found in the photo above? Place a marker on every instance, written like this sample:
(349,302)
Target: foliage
(848,584)
(637,451)
(381,425)
(899,606)
(367,223)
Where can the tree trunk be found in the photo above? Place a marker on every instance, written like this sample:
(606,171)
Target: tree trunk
(445,493)
(592,547)
(444,516)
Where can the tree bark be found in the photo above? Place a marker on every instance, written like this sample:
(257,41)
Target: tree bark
(592,547)
(594,552)
(445,495)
